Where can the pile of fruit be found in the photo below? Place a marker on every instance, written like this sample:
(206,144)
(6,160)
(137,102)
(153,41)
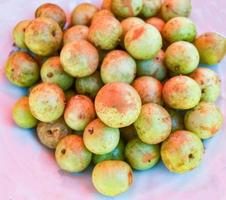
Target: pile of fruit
(119,87)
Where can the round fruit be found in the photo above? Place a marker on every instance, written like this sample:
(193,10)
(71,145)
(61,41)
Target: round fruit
(128,133)
(150,8)
(156,22)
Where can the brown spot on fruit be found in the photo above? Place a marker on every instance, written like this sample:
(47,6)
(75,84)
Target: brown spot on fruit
(147,157)
(90,130)
(50,74)
(63,151)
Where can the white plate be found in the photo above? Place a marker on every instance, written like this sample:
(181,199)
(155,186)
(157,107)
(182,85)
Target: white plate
(28,171)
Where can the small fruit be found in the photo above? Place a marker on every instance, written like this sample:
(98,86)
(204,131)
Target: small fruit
(128,133)
(150,8)
(156,22)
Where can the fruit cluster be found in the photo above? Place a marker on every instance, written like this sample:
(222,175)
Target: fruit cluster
(116,89)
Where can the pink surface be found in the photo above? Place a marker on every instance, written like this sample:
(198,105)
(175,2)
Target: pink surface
(28,171)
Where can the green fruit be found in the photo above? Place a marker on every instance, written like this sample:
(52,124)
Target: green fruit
(47,102)
(128,133)
(52,72)
(116,154)
(179,29)
(150,8)
(79,58)
(71,154)
(153,124)
(175,8)
(143,42)
(156,22)
(43,36)
(205,120)
(112,177)
(79,112)
(181,57)
(69,94)
(211,47)
(181,92)
(182,151)
(21,69)
(52,11)
(117,104)
(118,66)
(142,156)
(153,67)
(100,138)
(22,115)
(51,133)
(18,33)
(149,89)
(209,82)
(127,8)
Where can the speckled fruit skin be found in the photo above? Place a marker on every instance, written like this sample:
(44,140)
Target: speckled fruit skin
(128,133)
(100,138)
(209,82)
(154,67)
(21,69)
(52,72)
(118,66)
(79,58)
(205,120)
(181,57)
(118,104)
(181,92)
(128,8)
(153,124)
(43,36)
(143,42)
(79,112)
(22,115)
(149,89)
(182,151)
(150,8)
(78,32)
(175,8)
(156,22)
(112,177)
(116,154)
(52,11)
(179,29)
(105,33)
(142,156)
(106,4)
(47,102)
(83,14)
(211,47)
(71,154)
(18,33)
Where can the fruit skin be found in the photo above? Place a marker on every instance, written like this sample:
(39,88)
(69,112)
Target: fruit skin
(143,42)
(118,66)
(142,156)
(153,124)
(179,29)
(150,8)
(52,72)
(117,104)
(181,92)
(105,33)
(211,47)
(18,33)
(181,57)
(43,36)
(21,69)
(47,102)
(116,154)
(51,133)
(83,14)
(22,115)
(154,67)
(209,83)
(52,11)
(79,112)
(98,16)
(149,89)
(205,120)
(128,133)
(156,22)
(71,154)
(79,58)
(182,151)
(175,8)
(106,4)
(100,138)
(112,177)
(78,32)
(129,8)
